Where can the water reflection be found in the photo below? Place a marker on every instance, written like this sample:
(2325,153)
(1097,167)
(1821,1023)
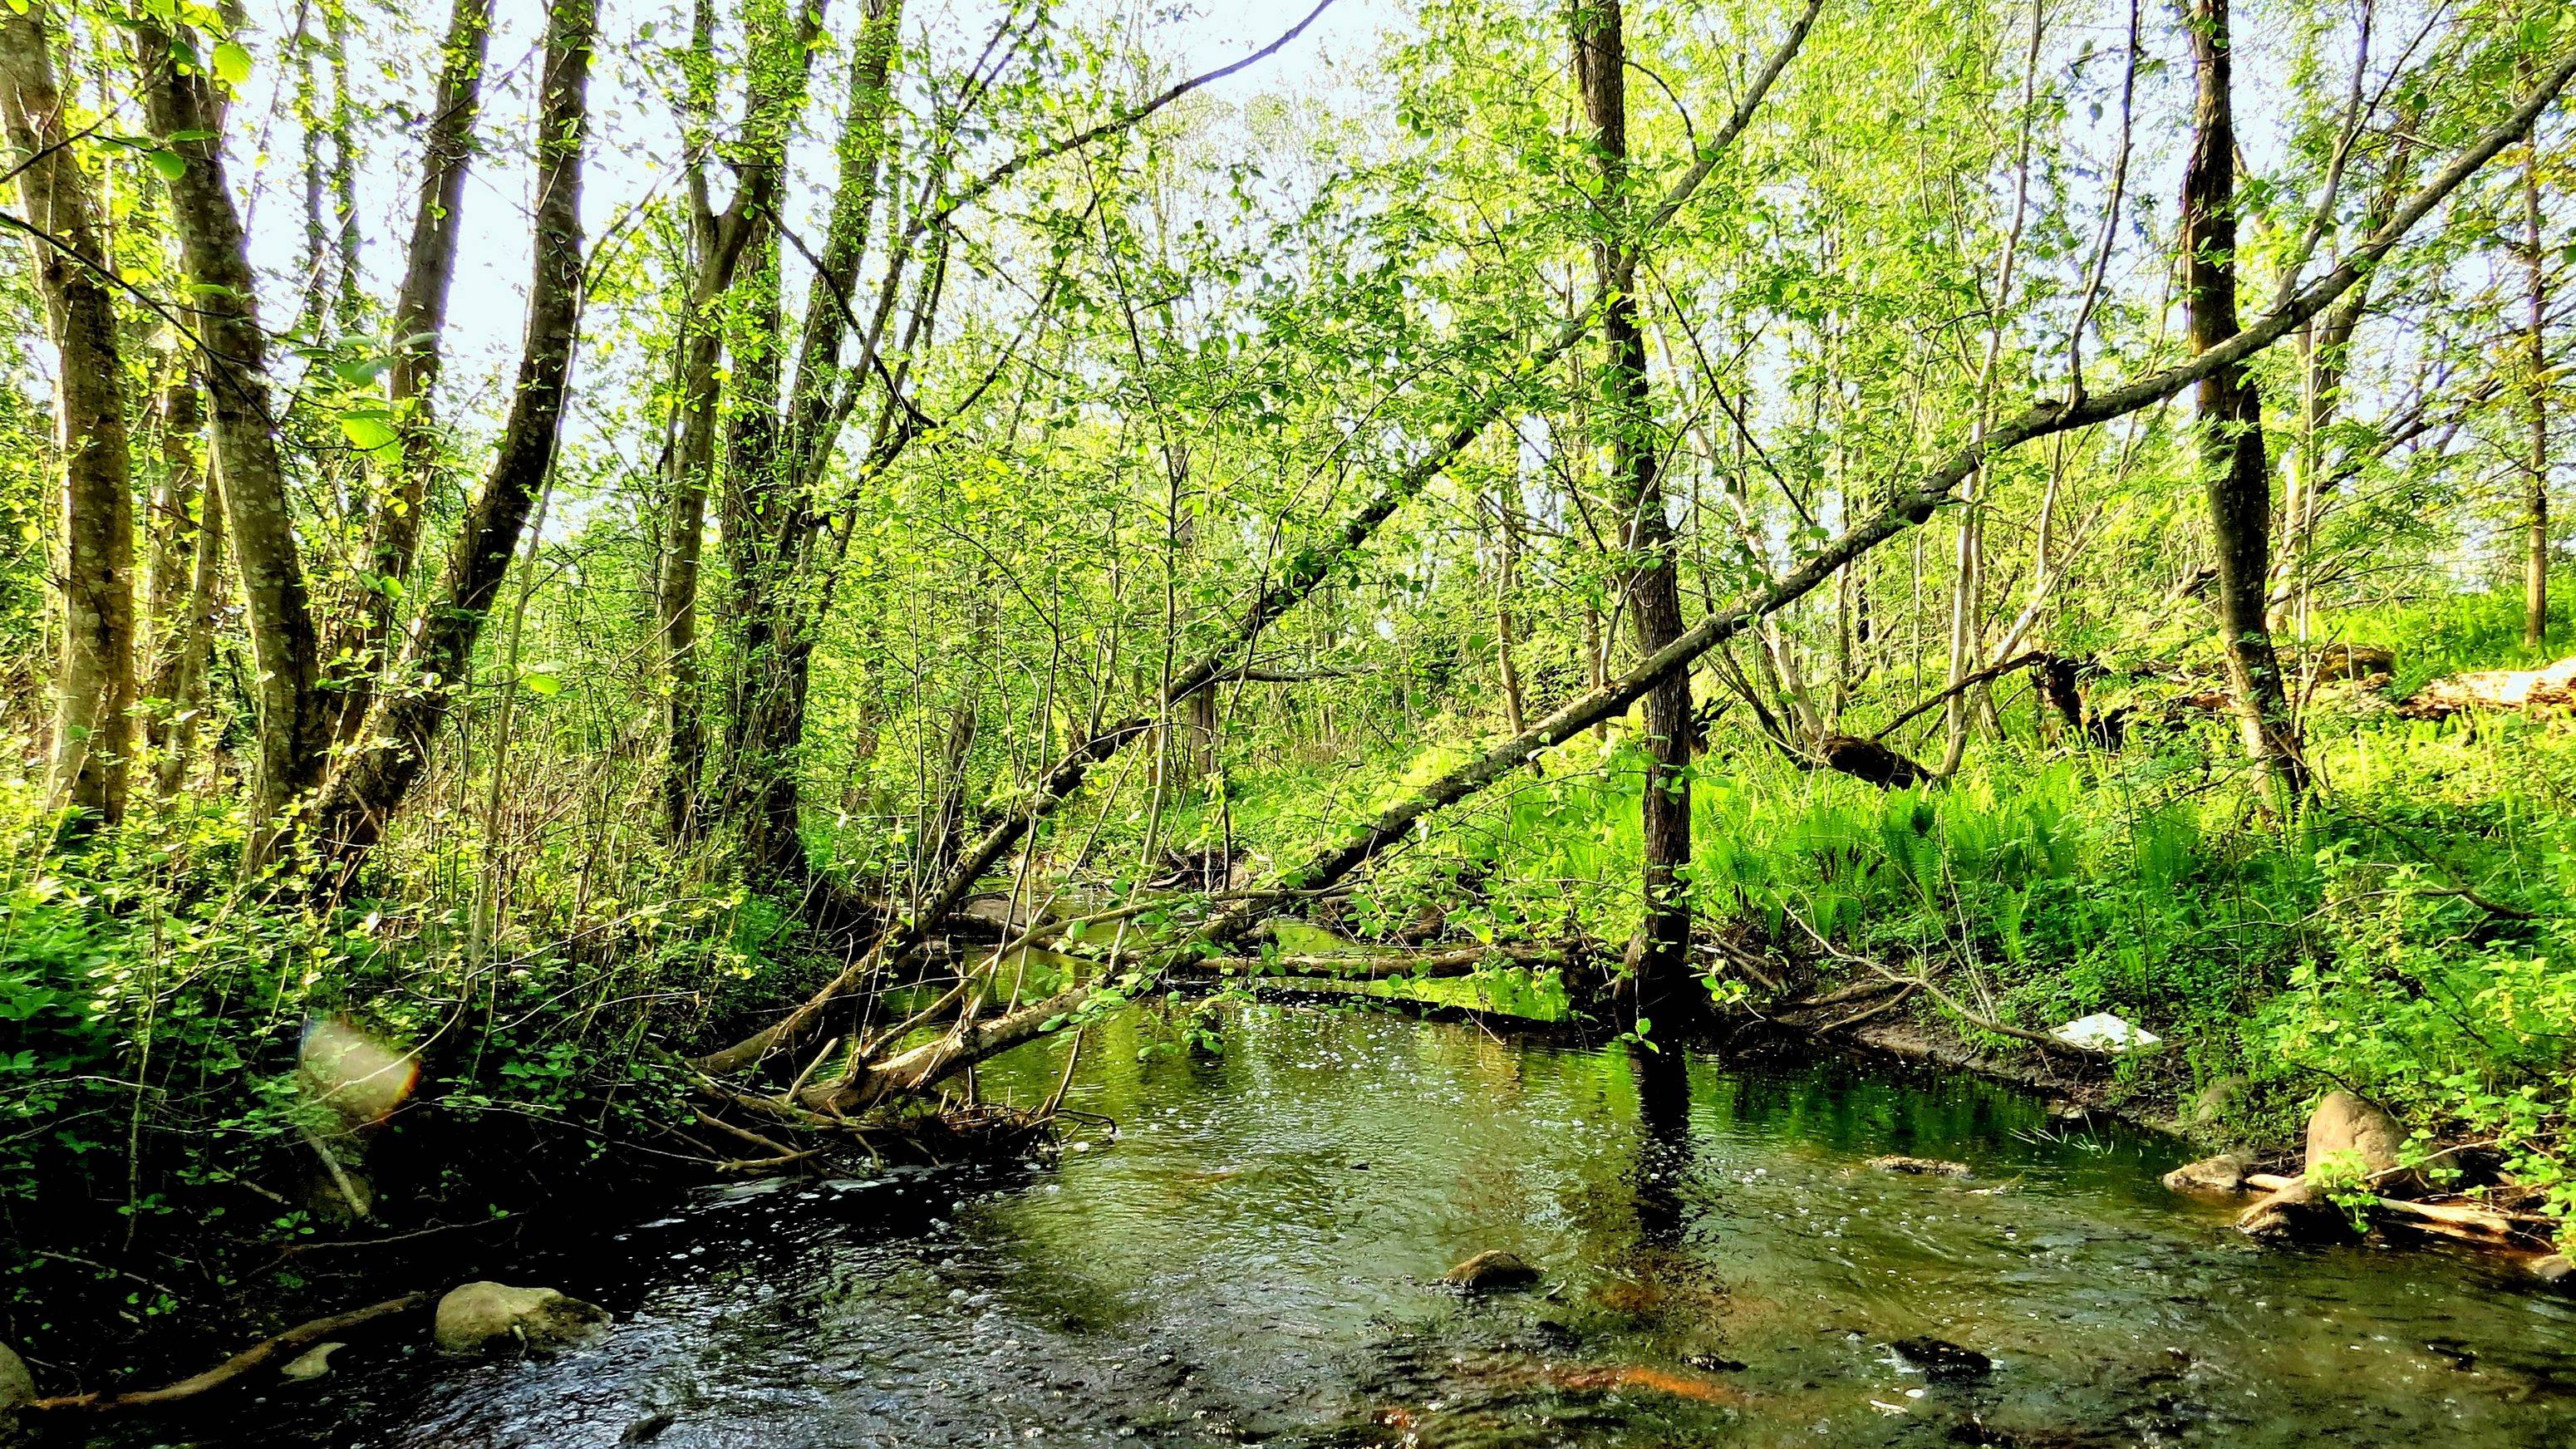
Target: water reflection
(1256,1257)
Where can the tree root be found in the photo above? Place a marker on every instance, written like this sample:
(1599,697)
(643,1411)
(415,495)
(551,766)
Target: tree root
(275,1351)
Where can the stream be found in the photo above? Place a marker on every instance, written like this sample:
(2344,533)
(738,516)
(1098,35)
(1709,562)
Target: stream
(1256,1256)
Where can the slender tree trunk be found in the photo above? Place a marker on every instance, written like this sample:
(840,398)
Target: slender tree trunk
(182,510)
(2535,495)
(1659,956)
(775,461)
(93,736)
(717,246)
(2230,410)
(2326,357)
(1506,586)
(295,726)
(419,325)
(1968,580)
(184,687)
(676,592)
(394,746)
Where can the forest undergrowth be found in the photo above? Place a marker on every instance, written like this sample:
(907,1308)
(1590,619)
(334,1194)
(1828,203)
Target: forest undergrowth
(2406,936)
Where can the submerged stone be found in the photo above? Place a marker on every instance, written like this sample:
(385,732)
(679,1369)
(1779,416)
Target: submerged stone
(2297,1213)
(1491,1271)
(1919,1166)
(1941,1359)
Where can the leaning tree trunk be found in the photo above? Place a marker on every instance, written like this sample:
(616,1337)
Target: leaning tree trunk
(295,726)
(394,746)
(1659,956)
(2230,410)
(93,744)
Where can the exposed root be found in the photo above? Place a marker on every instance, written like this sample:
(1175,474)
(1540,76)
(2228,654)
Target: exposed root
(274,1352)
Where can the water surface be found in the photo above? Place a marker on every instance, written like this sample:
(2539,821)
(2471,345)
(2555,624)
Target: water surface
(1255,1255)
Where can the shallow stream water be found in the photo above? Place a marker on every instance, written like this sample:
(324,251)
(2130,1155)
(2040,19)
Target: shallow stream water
(1255,1256)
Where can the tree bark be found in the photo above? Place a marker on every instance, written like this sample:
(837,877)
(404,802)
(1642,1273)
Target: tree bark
(718,242)
(93,734)
(187,533)
(1659,955)
(419,326)
(1507,500)
(776,456)
(295,726)
(394,745)
(2230,408)
(2535,495)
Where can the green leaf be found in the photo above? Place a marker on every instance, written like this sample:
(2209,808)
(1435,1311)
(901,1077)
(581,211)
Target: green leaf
(232,63)
(541,682)
(170,164)
(368,430)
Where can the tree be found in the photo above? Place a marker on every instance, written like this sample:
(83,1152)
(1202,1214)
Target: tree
(2235,469)
(94,698)
(1659,955)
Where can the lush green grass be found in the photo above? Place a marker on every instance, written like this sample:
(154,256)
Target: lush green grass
(2408,936)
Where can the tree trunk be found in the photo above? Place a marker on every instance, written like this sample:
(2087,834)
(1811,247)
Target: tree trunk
(93,744)
(187,530)
(1659,956)
(185,686)
(394,747)
(2230,411)
(765,724)
(776,457)
(419,324)
(717,245)
(1506,587)
(2328,356)
(2535,495)
(295,727)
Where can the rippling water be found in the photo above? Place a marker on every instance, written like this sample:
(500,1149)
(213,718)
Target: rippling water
(1256,1256)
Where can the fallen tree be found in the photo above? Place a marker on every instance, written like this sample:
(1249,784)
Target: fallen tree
(1299,578)
(866,1082)
(2496,689)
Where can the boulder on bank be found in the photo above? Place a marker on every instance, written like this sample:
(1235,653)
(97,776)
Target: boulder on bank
(1491,1271)
(495,1318)
(2344,1123)
(2298,1213)
(2223,1173)
(17,1386)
